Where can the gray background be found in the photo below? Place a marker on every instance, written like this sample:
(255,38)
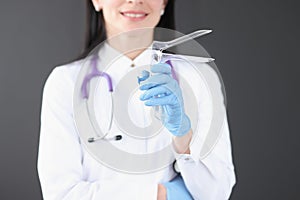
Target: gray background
(256,49)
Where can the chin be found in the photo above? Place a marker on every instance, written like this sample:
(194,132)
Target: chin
(139,30)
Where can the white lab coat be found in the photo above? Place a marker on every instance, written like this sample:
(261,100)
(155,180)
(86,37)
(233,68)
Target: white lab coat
(67,171)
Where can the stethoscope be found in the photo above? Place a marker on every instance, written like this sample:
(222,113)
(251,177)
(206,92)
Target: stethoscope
(84,90)
(158,47)
(96,140)
(95,72)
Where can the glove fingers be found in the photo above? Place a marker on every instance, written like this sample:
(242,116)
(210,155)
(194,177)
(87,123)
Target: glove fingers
(144,75)
(161,101)
(155,92)
(155,80)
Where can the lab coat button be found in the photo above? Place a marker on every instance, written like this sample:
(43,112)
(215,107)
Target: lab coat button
(187,159)
(132,65)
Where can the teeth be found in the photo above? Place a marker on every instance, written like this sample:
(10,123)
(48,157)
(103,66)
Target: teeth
(134,15)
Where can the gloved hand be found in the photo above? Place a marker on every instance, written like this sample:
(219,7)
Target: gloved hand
(176,189)
(162,90)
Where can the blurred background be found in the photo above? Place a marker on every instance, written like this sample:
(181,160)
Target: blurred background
(255,44)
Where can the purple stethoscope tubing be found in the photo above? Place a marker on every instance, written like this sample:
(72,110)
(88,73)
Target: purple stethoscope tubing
(96,73)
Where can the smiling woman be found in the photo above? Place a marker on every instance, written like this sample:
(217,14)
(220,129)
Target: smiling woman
(96,24)
(122,16)
(67,167)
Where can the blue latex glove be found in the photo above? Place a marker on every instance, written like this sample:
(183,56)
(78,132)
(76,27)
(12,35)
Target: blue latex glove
(176,189)
(162,90)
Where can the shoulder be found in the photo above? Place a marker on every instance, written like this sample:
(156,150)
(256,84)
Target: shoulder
(66,72)
(201,72)
(185,64)
(61,80)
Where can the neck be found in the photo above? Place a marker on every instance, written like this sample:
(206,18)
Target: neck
(132,43)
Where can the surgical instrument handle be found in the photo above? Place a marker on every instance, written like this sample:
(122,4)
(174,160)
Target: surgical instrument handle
(158,45)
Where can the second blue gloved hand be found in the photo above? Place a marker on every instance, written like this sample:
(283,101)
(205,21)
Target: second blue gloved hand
(162,90)
(176,189)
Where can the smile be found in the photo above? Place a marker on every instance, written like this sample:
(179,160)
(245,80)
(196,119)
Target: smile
(135,15)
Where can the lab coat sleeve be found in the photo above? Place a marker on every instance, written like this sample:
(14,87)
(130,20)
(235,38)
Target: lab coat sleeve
(60,154)
(213,177)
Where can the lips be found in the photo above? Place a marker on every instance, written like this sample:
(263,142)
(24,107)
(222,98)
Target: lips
(135,15)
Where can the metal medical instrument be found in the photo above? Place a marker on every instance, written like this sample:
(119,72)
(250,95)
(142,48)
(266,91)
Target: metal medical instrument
(161,46)
(158,47)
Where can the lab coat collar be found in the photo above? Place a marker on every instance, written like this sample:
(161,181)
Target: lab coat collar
(111,55)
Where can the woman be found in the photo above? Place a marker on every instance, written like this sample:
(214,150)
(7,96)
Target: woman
(67,171)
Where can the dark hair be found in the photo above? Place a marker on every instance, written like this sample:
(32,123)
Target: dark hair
(95,28)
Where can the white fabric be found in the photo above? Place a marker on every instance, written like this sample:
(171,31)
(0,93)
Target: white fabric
(67,171)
